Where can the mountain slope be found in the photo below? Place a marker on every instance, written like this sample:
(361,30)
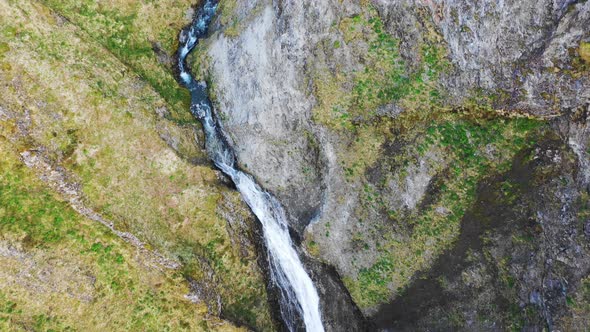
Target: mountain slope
(91,122)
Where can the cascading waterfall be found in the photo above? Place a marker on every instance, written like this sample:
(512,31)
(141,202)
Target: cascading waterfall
(299,298)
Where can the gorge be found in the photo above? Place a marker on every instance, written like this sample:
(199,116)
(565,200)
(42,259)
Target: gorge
(282,165)
(299,298)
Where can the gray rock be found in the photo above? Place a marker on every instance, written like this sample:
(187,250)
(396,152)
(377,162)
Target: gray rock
(521,51)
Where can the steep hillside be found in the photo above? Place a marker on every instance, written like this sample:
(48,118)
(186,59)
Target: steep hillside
(97,115)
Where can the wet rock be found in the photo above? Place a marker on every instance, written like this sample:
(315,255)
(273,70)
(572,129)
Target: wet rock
(339,313)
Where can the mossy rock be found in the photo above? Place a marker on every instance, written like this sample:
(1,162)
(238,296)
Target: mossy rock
(584,51)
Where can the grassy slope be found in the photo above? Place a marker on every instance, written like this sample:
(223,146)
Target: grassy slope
(130,29)
(89,105)
(61,271)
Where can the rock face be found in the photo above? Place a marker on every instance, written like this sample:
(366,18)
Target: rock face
(521,50)
(385,129)
(523,250)
(266,106)
(520,47)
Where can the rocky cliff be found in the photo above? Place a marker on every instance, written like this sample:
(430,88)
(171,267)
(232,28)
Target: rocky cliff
(434,152)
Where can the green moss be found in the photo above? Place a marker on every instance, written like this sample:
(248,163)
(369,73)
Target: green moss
(374,281)
(228,17)
(3,49)
(312,248)
(584,51)
(580,60)
(233,22)
(384,79)
(33,211)
(584,207)
(465,143)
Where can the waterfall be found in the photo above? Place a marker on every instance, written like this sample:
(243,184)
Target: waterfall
(298,296)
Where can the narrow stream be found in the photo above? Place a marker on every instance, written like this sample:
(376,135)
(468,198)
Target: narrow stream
(299,298)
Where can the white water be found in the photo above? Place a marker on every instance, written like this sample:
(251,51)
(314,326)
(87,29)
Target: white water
(288,271)
(299,298)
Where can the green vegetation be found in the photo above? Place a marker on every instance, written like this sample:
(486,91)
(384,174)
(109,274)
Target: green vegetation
(385,77)
(472,149)
(579,304)
(580,56)
(375,280)
(585,290)
(69,96)
(62,272)
(130,30)
(229,19)
(233,23)
(34,213)
(584,52)
(584,208)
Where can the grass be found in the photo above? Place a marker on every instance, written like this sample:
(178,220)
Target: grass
(580,64)
(71,97)
(584,207)
(65,273)
(229,18)
(232,19)
(129,30)
(584,51)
